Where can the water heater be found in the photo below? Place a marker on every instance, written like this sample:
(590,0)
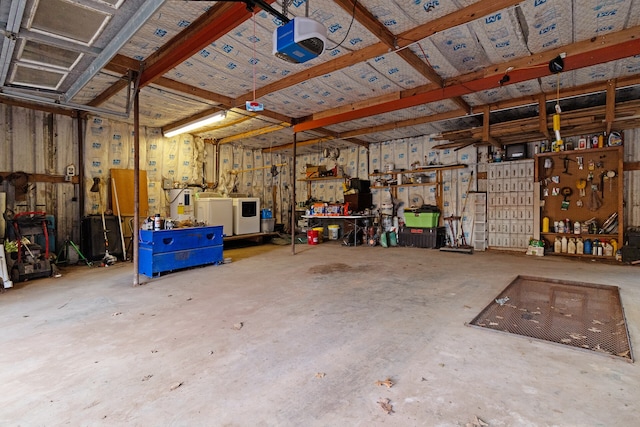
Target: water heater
(181,204)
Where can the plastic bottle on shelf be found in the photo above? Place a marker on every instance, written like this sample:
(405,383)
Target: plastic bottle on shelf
(587,247)
(571,246)
(576,227)
(614,244)
(557,245)
(545,224)
(560,227)
(580,246)
(564,244)
(607,250)
(594,247)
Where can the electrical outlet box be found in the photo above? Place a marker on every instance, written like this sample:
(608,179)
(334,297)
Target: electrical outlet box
(71,171)
(167,184)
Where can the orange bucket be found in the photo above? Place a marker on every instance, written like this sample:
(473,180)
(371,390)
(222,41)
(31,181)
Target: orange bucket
(312,237)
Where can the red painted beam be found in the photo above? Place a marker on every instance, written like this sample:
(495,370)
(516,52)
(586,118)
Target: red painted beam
(235,15)
(572,62)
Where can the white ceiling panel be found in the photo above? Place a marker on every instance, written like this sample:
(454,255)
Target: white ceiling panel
(594,73)
(173,18)
(501,36)
(566,79)
(461,48)
(426,50)
(100,83)
(598,17)
(550,24)
(398,71)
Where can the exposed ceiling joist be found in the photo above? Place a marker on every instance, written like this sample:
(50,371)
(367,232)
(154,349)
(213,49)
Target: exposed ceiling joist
(213,24)
(262,131)
(459,17)
(599,54)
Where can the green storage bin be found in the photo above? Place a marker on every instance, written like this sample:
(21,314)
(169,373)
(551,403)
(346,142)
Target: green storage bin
(421,219)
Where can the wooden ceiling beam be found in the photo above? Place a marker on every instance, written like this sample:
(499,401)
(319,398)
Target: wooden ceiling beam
(579,54)
(7,100)
(217,21)
(369,21)
(252,133)
(459,17)
(109,92)
(177,86)
(404,123)
(599,54)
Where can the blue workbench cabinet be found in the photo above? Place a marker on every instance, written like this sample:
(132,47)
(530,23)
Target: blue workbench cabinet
(167,250)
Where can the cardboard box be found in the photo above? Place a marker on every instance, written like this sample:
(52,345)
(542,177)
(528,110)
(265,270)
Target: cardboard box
(315,171)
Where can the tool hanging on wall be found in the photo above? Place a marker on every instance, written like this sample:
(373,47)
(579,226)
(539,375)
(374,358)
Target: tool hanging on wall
(566,192)
(565,162)
(595,202)
(610,175)
(581,184)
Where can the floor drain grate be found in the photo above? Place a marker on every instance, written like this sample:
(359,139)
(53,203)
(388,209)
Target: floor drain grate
(581,315)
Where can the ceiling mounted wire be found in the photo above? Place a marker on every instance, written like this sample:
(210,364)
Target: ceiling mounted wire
(353,15)
(254,60)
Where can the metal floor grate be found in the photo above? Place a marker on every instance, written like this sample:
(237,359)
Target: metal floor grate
(581,315)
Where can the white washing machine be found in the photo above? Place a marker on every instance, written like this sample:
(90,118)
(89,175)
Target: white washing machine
(246,215)
(215,211)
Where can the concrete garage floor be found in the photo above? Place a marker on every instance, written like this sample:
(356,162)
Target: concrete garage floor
(318,331)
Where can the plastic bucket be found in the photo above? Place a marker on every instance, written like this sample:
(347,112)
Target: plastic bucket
(334,232)
(320,231)
(267,225)
(312,237)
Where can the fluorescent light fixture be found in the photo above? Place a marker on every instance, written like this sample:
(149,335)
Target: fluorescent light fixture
(196,124)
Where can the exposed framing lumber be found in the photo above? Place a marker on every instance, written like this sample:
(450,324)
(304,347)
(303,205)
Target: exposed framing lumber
(48,178)
(252,133)
(404,123)
(486,128)
(606,50)
(542,115)
(459,17)
(221,18)
(38,107)
(610,107)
